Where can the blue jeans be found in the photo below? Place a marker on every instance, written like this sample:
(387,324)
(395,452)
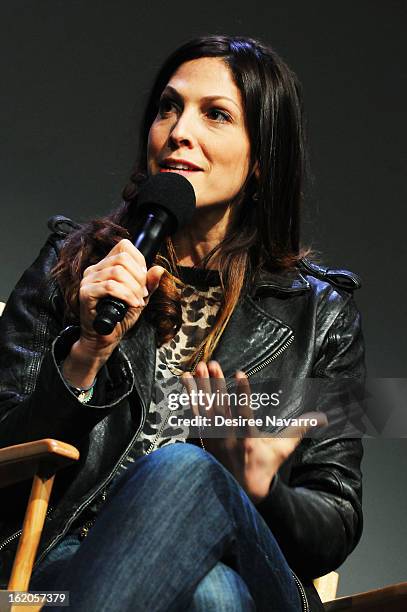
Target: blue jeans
(177,533)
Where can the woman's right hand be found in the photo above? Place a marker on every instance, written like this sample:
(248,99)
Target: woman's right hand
(121,274)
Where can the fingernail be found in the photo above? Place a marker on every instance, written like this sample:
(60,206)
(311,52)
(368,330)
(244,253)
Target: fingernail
(145,292)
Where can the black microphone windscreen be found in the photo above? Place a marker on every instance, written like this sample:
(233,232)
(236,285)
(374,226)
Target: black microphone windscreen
(170,191)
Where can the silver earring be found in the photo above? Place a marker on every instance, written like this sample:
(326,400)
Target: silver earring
(255,196)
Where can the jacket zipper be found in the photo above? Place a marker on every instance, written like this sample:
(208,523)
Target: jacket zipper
(20,531)
(304,599)
(158,434)
(272,357)
(11,538)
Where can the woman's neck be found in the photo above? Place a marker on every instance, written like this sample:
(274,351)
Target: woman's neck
(206,231)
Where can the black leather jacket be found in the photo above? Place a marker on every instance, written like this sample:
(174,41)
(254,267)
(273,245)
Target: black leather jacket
(302,324)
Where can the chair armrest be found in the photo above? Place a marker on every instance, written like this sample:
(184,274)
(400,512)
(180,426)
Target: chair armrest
(22,461)
(392,598)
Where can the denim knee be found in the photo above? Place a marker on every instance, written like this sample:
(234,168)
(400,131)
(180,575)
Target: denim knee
(222,590)
(180,453)
(182,463)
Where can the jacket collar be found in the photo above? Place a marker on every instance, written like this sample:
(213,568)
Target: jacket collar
(291,281)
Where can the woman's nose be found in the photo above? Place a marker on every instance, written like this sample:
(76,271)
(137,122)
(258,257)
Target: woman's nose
(183,131)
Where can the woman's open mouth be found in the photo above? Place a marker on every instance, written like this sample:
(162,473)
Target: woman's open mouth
(180,167)
(178,170)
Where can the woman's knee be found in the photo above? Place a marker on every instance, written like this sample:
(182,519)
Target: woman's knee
(180,463)
(222,590)
(180,455)
(173,475)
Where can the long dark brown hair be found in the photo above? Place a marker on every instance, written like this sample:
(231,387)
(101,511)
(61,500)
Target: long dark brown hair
(264,227)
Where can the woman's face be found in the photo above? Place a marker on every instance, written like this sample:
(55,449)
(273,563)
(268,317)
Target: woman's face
(200,131)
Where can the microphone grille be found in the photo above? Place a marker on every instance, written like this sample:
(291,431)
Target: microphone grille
(172,192)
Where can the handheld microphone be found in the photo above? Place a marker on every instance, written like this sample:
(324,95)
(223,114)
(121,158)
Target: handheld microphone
(165,204)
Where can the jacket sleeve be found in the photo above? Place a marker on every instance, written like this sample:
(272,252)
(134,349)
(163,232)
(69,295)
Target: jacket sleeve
(314,504)
(35,401)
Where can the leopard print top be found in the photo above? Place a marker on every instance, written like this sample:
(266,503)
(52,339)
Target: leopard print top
(200,301)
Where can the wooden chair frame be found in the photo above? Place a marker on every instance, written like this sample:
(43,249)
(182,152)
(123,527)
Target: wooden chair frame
(40,460)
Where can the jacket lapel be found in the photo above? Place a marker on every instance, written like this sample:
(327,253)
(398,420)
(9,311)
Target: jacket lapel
(254,335)
(251,337)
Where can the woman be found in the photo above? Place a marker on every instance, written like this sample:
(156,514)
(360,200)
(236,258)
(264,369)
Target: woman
(227,524)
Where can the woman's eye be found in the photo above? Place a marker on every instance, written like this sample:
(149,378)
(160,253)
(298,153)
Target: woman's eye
(218,115)
(166,106)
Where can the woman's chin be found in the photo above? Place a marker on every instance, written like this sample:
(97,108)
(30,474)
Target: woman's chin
(206,206)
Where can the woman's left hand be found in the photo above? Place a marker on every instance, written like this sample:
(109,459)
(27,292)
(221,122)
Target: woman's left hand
(253,460)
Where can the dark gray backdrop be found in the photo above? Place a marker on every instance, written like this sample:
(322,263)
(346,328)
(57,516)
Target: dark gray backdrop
(74,76)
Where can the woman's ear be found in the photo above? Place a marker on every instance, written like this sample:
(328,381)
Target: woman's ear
(256,170)
(254,178)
